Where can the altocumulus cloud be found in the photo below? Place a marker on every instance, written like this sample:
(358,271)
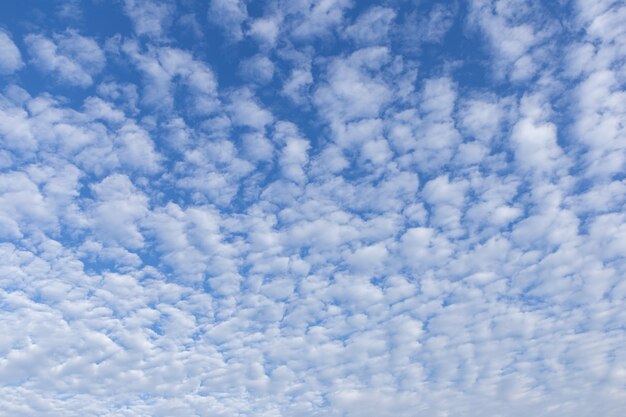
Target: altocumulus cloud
(312,208)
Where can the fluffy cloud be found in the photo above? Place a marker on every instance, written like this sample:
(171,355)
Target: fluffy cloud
(11,60)
(372,27)
(229,15)
(149,17)
(314,208)
(351,91)
(528,32)
(166,69)
(72,58)
(258,69)
(117,210)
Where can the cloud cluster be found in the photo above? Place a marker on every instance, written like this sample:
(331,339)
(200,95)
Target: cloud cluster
(72,58)
(312,208)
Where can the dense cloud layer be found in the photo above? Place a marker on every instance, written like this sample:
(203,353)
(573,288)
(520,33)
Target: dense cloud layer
(313,208)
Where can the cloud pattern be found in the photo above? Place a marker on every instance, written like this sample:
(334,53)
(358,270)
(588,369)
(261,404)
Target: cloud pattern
(313,208)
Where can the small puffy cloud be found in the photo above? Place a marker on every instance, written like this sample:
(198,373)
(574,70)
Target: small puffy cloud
(136,149)
(72,58)
(447,200)
(516,31)
(482,118)
(126,94)
(118,208)
(429,133)
(17,132)
(213,171)
(535,140)
(417,29)
(149,17)
(191,243)
(257,147)
(166,69)
(422,248)
(229,16)
(438,97)
(246,111)
(10,56)
(438,23)
(350,91)
(535,144)
(371,27)
(297,86)
(266,30)
(24,208)
(442,191)
(368,260)
(317,19)
(294,154)
(258,69)
(600,108)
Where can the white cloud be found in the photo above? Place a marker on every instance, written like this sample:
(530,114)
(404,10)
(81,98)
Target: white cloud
(316,19)
(527,35)
(246,111)
(482,117)
(372,27)
(438,23)
(11,58)
(265,30)
(535,140)
(73,58)
(117,210)
(294,153)
(16,131)
(600,105)
(116,92)
(212,171)
(427,134)
(149,17)
(365,235)
(136,149)
(257,147)
(351,92)
(369,260)
(190,242)
(165,68)
(296,87)
(23,206)
(258,68)
(229,16)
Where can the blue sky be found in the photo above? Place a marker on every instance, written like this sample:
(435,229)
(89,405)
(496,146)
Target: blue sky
(312,208)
